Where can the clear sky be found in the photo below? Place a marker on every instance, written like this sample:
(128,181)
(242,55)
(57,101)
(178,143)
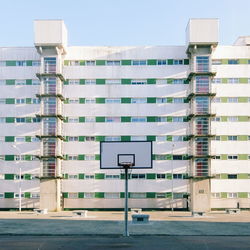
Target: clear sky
(122,22)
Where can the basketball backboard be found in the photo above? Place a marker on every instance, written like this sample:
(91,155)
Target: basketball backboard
(137,154)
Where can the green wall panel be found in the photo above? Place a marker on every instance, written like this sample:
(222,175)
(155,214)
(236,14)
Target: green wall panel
(224,61)
(81,119)
(126,62)
(224,80)
(99,176)
(27,176)
(242,176)
(65,195)
(82,100)
(242,99)
(242,137)
(126,81)
(9,176)
(81,195)
(125,138)
(81,176)
(186,61)
(170,61)
(99,195)
(10,119)
(125,100)
(151,81)
(10,100)
(8,195)
(28,138)
(243,118)
(125,119)
(223,195)
(151,62)
(10,63)
(81,157)
(243,157)
(100,81)
(223,157)
(100,62)
(100,138)
(66,62)
(97,157)
(100,100)
(151,176)
(243,195)
(10,82)
(151,138)
(151,118)
(27,195)
(243,80)
(28,82)
(82,63)
(100,119)
(28,100)
(151,100)
(243,61)
(9,138)
(9,157)
(81,138)
(82,81)
(150,195)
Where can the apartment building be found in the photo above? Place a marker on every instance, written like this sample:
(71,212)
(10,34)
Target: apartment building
(58,102)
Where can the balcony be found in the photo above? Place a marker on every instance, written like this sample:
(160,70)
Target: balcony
(201,91)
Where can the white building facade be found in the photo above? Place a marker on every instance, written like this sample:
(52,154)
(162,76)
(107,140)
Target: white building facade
(57,102)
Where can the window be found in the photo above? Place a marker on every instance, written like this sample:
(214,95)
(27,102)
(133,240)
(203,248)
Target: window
(178,62)
(216,119)
(161,138)
(90,100)
(232,137)
(2,119)
(89,176)
(73,195)
(20,101)
(16,195)
(232,176)
(112,138)
(161,119)
(177,157)
(19,139)
(20,120)
(161,62)
(138,82)
(36,63)
(35,101)
(89,195)
(138,195)
(2,101)
(112,119)
(217,100)
(138,138)
(161,176)
(2,63)
(2,82)
(177,119)
(1,195)
(138,176)
(90,119)
(233,99)
(2,158)
(202,64)
(109,176)
(74,101)
(113,81)
(232,157)
(160,195)
(215,195)
(90,63)
(20,63)
(72,176)
(232,195)
(90,82)
(233,61)
(177,176)
(178,81)
(233,80)
(74,82)
(36,119)
(73,157)
(73,119)
(89,157)
(34,195)
(216,62)
(113,100)
(161,100)
(113,63)
(2,138)
(161,81)
(138,100)
(20,82)
(35,82)
(139,62)
(217,138)
(217,157)
(1,176)
(232,118)
(35,139)
(178,195)
(216,80)
(74,63)
(178,100)
(177,138)
(160,157)
(138,119)
(111,195)
(90,138)
(73,138)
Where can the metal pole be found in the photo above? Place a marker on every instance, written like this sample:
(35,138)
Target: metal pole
(172,180)
(126,233)
(20,188)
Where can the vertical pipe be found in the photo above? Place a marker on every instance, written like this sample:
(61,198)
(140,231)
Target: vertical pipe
(126,233)
(20,188)
(172,180)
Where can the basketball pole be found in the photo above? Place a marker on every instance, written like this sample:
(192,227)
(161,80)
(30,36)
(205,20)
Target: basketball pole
(126,233)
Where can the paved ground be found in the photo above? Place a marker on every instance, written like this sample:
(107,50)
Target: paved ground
(118,242)
(111,223)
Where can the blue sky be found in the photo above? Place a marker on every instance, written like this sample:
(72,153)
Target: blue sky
(122,22)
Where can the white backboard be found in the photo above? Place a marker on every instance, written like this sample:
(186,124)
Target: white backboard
(111,152)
